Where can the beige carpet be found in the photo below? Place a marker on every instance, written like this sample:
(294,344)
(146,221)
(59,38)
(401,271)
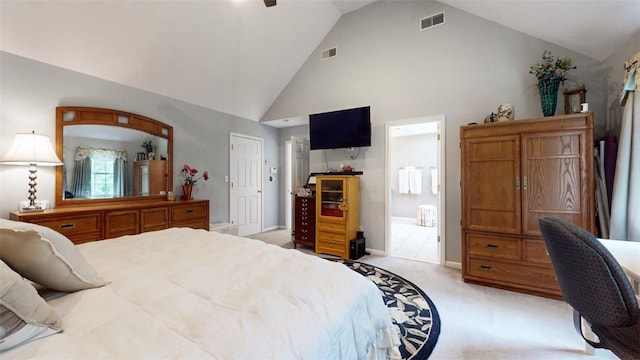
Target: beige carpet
(276,237)
(480,322)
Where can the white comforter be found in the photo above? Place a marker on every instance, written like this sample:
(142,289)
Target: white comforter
(193,294)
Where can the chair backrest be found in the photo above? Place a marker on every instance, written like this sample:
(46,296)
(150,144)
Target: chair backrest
(591,280)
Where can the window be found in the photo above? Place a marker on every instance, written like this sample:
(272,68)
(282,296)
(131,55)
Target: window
(102,179)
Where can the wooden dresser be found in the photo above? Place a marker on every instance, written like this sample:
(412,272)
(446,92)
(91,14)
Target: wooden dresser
(304,231)
(513,173)
(337,213)
(84,224)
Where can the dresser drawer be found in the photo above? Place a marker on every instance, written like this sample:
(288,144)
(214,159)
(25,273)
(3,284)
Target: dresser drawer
(535,251)
(492,246)
(188,212)
(194,224)
(518,273)
(154,219)
(78,228)
(332,227)
(119,223)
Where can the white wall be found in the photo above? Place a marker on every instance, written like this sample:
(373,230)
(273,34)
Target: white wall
(420,151)
(30,92)
(463,69)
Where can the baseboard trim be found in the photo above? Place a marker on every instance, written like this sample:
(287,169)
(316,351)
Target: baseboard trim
(376,252)
(453,265)
(272,228)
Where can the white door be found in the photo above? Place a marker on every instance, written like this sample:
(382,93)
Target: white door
(245,172)
(299,166)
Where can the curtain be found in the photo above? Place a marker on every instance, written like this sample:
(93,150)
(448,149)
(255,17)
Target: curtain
(120,176)
(81,186)
(625,202)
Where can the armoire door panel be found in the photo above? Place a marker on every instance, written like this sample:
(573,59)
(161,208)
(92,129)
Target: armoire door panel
(552,166)
(492,197)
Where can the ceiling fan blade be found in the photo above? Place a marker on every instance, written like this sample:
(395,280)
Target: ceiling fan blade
(270,3)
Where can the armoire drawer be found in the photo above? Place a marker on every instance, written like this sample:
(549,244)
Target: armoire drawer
(492,246)
(525,274)
(535,251)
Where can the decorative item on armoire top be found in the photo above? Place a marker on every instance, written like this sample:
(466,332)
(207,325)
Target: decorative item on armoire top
(550,72)
(572,105)
(490,118)
(505,112)
(147,144)
(190,180)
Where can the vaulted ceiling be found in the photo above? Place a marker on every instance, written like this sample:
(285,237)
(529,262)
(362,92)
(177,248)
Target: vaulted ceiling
(236,56)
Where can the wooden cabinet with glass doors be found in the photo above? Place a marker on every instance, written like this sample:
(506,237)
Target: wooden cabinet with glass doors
(337,213)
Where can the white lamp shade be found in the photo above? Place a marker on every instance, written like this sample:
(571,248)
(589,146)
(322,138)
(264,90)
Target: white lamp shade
(29,149)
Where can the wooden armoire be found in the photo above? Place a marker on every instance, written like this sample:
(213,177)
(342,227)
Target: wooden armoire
(149,177)
(512,174)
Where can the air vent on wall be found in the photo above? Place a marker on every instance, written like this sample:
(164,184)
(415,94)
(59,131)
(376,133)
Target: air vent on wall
(329,53)
(431,21)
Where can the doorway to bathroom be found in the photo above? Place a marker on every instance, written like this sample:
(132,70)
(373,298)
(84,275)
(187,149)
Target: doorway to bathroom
(414,169)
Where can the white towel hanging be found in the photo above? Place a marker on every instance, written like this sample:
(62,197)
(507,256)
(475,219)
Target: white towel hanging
(415,180)
(403,181)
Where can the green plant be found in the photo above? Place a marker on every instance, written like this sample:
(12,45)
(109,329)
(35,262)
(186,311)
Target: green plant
(147,142)
(551,68)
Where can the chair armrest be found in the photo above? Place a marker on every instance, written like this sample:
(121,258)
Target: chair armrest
(577,324)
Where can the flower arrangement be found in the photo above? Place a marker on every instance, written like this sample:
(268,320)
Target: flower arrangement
(551,68)
(190,175)
(147,143)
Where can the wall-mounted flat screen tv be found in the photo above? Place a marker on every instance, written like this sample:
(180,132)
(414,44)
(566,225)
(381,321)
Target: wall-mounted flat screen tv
(340,129)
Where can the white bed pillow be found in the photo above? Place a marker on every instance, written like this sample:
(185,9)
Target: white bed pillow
(24,315)
(46,257)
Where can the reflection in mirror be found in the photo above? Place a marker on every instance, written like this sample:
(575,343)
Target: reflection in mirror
(111,156)
(102,161)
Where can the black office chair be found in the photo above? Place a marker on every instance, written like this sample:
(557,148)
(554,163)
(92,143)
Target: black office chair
(594,284)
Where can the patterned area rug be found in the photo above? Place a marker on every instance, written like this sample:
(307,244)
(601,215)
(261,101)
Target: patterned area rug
(412,312)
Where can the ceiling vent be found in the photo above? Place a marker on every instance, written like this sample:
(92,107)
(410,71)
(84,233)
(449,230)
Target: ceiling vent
(328,54)
(431,21)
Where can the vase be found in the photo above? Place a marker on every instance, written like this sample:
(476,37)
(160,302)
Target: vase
(149,149)
(186,192)
(549,96)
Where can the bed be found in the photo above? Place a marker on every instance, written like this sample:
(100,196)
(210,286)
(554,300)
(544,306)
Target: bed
(185,293)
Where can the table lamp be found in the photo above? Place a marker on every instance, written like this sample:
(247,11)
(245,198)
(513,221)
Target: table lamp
(32,150)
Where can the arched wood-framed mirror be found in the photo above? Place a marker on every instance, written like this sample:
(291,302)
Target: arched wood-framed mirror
(105,158)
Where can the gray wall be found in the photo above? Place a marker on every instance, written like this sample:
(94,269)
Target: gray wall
(463,69)
(30,92)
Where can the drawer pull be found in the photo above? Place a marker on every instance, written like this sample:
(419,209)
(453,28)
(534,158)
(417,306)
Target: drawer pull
(492,246)
(485,267)
(190,211)
(67,226)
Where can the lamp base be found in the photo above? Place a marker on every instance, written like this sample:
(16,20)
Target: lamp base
(38,206)
(28,210)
